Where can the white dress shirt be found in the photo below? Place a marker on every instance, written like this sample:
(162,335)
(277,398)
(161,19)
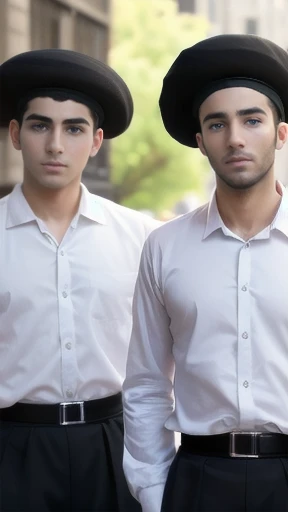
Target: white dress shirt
(65,309)
(210,327)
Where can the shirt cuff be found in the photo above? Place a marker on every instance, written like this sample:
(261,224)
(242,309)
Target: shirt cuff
(151,498)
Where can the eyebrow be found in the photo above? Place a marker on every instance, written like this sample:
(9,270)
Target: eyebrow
(242,112)
(48,120)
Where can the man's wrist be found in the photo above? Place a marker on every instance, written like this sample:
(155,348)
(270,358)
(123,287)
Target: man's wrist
(151,498)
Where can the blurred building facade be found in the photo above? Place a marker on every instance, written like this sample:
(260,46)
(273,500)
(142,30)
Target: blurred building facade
(265,18)
(80,25)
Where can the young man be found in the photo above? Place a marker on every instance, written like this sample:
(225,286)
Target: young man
(69,261)
(208,356)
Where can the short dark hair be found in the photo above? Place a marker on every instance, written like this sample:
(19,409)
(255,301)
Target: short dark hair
(57,96)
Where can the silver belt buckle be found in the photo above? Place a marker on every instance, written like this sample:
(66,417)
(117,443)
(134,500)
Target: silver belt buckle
(63,416)
(232,445)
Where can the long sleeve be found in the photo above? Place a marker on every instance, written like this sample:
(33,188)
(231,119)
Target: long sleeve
(148,388)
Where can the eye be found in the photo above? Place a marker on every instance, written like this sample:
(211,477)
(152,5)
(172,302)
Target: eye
(74,130)
(253,122)
(216,126)
(39,127)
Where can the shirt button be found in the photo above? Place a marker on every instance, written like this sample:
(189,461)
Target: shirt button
(68,345)
(69,393)
(246,384)
(244,288)
(64,294)
(62,253)
(247,245)
(245,335)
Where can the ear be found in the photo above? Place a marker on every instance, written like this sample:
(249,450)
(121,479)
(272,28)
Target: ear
(14,132)
(97,142)
(199,139)
(282,135)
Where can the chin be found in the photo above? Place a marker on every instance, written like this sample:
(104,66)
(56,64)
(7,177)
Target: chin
(53,186)
(241,180)
(243,184)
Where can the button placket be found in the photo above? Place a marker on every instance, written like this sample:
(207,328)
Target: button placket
(244,363)
(66,325)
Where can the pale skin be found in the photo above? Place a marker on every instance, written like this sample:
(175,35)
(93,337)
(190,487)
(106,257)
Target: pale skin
(239,137)
(56,140)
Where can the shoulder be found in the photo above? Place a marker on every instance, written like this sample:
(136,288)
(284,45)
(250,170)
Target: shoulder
(4,201)
(190,225)
(3,215)
(126,217)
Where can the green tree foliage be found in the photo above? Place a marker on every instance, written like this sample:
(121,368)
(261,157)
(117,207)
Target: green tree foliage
(149,169)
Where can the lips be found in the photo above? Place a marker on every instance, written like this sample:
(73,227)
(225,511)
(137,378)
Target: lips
(238,159)
(54,164)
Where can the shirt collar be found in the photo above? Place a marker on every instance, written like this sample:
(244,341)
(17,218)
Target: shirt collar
(280,221)
(214,220)
(19,211)
(90,207)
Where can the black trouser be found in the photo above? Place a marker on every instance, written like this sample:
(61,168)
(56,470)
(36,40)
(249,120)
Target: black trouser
(212,484)
(63,468)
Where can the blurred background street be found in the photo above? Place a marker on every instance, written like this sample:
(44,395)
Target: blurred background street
(144,168)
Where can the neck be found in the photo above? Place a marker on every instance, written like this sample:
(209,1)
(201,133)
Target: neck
(59,205)
(247,212)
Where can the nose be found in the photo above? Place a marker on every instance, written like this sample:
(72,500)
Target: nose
(54,142)
(235,137)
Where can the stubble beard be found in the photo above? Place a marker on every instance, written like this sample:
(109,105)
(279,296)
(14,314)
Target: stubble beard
(264,169)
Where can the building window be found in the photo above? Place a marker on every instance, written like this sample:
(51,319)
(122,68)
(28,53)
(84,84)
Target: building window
(91,37)
(187,6)
(45,24)
(251,26)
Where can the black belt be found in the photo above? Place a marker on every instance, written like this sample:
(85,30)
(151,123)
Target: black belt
(237,444)
(65,413)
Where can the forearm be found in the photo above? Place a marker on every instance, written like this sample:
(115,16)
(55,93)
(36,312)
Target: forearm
(149,446)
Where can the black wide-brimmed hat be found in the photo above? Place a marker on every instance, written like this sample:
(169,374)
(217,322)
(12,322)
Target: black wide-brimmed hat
(253,61)
(59,69)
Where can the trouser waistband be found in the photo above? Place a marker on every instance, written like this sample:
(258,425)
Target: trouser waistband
(64,413)
(237,444)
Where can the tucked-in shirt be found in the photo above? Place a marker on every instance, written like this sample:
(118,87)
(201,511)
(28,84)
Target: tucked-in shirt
(210,331)
(65,309)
